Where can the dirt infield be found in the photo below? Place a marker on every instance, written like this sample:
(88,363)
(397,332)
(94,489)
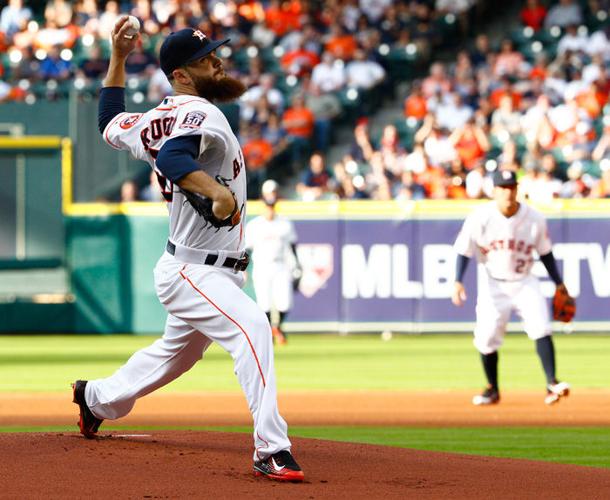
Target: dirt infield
(182,464)
(327,408)
(176,464)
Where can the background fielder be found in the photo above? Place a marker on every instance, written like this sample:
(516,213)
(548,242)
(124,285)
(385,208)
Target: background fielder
(504,236)
(189,143)
(273,239)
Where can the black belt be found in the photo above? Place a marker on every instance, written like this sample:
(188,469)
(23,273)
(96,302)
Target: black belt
(211,258)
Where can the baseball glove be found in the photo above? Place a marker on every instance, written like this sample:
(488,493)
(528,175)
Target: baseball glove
(203,206)
(564,306)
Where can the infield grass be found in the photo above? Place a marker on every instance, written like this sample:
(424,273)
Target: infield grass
(47,363)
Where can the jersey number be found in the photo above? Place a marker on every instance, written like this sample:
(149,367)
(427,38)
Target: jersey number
(167,186)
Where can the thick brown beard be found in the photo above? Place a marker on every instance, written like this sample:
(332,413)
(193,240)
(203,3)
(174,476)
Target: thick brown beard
(224,90)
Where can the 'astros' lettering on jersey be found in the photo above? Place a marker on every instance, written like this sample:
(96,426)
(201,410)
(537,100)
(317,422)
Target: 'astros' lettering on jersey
(220,156)
(506,246)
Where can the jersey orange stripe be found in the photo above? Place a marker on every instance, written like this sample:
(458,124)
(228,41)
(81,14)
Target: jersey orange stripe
(231,320)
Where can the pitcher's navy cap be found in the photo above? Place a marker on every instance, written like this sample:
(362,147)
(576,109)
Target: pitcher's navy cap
(185,46)
(505,178)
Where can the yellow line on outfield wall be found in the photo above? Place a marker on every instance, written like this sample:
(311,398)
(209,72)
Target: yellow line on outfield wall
(354,210)
(31,142)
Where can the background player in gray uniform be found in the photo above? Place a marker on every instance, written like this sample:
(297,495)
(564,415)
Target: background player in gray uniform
(190,145)
(273,239)
(505,236)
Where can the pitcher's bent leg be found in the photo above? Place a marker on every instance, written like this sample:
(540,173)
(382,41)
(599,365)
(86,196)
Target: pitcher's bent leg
(148,369)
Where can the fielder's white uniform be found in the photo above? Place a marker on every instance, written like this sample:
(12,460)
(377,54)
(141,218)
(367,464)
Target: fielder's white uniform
(271,243)
(506,248)
(205,303)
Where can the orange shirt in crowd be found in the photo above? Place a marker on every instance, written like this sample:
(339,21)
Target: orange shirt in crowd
(588,101)
(416,107)
(304,58)
(469,150)
(342,47)
(533,17)
(284,18)
(298,122)
(252,10)
(257,153)
(497,95)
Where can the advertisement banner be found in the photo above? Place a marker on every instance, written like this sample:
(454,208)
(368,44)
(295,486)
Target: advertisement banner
(367,275)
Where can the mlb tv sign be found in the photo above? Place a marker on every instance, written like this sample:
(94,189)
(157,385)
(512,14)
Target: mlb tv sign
(403,271)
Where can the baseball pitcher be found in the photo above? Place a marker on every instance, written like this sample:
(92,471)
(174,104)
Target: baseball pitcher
(198,279)
(505,236)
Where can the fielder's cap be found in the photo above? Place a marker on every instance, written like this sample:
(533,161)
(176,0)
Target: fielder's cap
(505,178)
(269,186)
(185,46)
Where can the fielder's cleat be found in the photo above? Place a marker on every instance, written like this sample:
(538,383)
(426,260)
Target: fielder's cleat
(556,391)
(281,467)
(490,396)
(278,335)
(88,423)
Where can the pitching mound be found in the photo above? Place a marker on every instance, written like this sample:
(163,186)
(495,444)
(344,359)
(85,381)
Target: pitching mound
(181,464)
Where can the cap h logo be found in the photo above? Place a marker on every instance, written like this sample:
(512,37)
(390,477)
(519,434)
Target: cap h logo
(199,35)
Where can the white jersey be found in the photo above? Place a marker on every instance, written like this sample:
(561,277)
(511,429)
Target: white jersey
(220,156)
(271,240)
(506,246)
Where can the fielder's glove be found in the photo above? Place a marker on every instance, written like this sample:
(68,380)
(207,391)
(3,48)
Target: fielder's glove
(203,206)
(564,306)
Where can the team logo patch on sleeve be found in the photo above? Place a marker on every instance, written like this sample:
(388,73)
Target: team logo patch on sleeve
(130,121)
(193,120)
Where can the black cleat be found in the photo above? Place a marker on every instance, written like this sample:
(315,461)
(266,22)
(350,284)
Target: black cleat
(281,467)
(87,423)
(490,396)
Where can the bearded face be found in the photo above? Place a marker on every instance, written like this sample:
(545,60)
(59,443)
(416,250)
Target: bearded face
(218,90)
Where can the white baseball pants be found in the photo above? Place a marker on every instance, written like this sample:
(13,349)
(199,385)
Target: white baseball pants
(273,287)
(495,301)
(205,305)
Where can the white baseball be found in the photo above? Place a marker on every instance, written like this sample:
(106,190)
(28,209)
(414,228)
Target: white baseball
(134,29)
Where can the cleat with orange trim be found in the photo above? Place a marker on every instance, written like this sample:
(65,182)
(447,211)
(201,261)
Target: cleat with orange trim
(278,335)
(280,466)
(88,423)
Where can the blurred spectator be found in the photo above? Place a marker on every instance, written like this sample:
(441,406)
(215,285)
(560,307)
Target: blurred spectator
(505,121)
(299,61)
(470,143)
(602,149)
(361,148)
(436,82)
(325,108)
(452,113)
(152,191)
(266,90)
(95,66)
(508,60)
(602,187)
(563,13)
(533,14)
(340,44)
(415,103)
(158,86)
(316,181)
(299,122)
(329,74)
(54,67)
(408,188)
(129,191)
(363,73)
(14,17)
(572,41)
(578,184)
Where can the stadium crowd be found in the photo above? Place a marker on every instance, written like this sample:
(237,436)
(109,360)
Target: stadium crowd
(536,104)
